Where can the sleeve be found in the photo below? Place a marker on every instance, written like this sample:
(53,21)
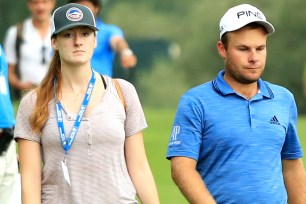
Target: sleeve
(9,45)
(115,31)
(186,136)
(135,118)
(292,148)
(25,109)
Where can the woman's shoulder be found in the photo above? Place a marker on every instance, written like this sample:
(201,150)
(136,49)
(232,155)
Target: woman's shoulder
(29,98)
(124,84)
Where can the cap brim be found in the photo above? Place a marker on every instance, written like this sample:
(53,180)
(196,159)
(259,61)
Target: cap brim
(73,26)
(268,26)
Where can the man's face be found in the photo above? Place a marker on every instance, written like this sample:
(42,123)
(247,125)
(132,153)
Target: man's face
(41,9)
(245,56)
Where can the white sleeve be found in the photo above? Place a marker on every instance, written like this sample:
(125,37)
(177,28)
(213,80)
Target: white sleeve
(135,118)
(9,45)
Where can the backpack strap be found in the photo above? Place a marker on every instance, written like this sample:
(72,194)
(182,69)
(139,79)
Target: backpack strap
(119,92)
(15,92)
(19,41)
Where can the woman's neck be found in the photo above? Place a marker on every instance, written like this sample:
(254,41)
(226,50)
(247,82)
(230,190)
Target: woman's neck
(76,80)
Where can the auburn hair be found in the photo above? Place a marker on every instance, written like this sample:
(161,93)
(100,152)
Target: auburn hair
(45,94)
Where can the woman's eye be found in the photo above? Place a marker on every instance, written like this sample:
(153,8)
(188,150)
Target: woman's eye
(67,35)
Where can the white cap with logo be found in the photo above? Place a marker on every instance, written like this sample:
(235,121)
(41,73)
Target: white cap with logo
(241,15)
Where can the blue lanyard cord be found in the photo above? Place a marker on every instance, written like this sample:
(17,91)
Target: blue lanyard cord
(68,142)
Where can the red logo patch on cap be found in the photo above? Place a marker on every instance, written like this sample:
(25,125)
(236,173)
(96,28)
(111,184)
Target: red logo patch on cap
(74,14)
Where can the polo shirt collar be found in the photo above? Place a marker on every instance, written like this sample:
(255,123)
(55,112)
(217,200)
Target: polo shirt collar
(221,86)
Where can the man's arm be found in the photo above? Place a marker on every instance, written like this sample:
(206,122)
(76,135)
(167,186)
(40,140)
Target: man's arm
(295,181)
(127,57)
(189,181)
(15,81)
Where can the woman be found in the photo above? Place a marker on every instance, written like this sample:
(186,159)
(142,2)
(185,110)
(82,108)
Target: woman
(77,143)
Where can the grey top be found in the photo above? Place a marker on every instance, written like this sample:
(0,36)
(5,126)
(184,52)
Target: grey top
(96,161)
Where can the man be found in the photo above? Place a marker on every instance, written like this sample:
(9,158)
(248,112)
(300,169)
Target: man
(234,139)
(28,48)
(9,177)
(110,41)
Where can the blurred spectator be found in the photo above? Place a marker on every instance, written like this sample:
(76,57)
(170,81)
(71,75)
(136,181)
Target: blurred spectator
(110,41)
(9,176)
(28,48)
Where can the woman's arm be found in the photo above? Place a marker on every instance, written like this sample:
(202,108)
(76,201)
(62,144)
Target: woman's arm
(30,170)
(139,169)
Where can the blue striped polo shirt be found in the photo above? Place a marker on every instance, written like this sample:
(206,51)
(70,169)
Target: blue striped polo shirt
(238,143)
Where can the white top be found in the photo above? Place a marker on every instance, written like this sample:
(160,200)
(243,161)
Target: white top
(96,162)
(31,67)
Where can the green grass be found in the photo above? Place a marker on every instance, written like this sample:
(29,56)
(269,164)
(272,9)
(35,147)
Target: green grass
(156,140)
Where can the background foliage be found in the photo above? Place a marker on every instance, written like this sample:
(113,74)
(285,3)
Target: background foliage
(175,41)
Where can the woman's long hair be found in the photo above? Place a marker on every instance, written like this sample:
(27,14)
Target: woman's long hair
(45,93)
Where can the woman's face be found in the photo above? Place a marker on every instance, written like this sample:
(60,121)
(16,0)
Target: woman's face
(75,45)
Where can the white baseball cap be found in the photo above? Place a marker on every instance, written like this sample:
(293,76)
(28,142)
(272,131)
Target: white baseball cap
(241,15)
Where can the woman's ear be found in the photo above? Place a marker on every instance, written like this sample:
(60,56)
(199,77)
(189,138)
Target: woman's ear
(54,43)
(95,41)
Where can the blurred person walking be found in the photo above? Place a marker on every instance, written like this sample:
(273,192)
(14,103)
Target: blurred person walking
(28,48)
(234,139)
(78,141)
(110,40)
(9,175)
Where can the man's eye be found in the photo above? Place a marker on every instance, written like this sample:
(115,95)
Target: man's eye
(261,48)
(242,49)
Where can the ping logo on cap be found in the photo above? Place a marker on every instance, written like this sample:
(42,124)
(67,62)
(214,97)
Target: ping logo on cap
(249,14)
(74,14)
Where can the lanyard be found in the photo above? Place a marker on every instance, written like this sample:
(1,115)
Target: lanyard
(68,142)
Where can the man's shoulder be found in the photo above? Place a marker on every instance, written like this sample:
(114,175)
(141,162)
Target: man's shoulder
(279,92)
(24,22)
(19,25)
(201,88)
(277,87)
(103,27)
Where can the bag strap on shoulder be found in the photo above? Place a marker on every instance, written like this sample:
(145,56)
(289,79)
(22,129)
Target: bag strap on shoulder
(15,92)
(119,92)
(19,38)
(19,41)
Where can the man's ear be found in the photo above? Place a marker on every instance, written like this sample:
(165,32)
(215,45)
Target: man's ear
(221,49)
